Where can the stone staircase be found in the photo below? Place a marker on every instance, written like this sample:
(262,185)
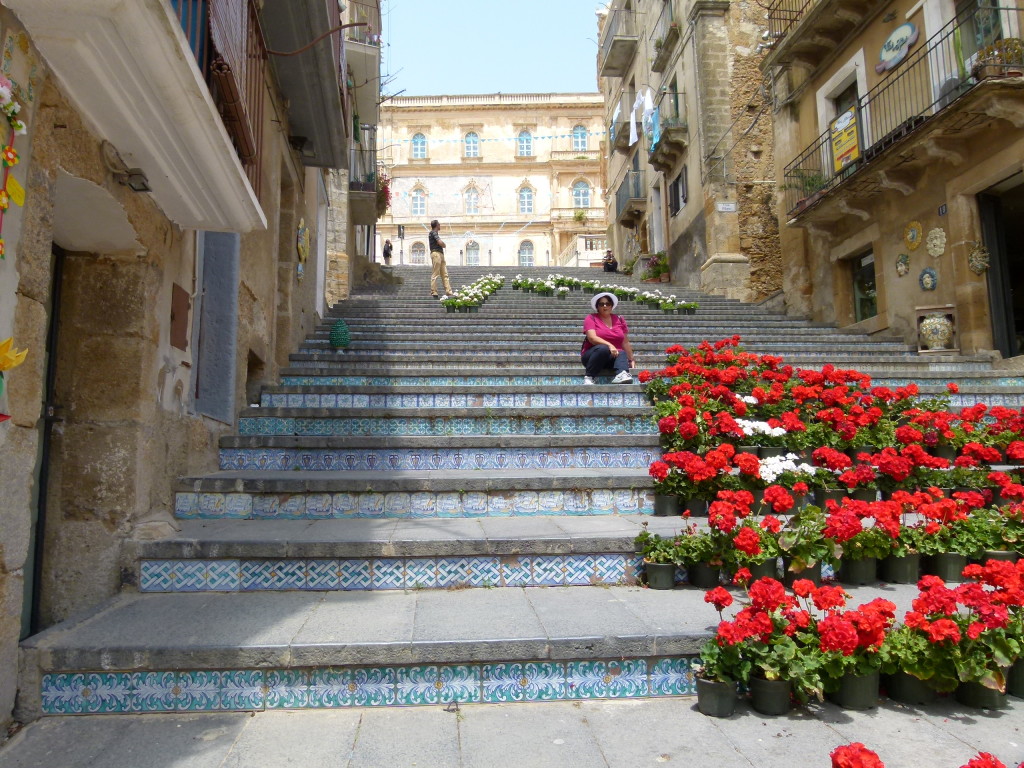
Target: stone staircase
(372,530)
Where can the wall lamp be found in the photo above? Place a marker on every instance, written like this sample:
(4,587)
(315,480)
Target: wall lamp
(134,179)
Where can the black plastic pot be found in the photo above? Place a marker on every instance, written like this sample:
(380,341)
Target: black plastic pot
(716,699)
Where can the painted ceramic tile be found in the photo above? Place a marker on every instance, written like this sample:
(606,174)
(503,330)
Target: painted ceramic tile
(265,506)
(388,574)
(371,505)
(672,677)
(186,505)
(223,575)
(154,691)
(531,681)
(287,688)
(292,507)
(516,570)
(609,568)
(190,576)
(157,575)
(437,684)
(474,571)
(420,573)
(86,693)
(607,679)
(319,505)
(273,574)
(344,504)
(345,687)
(244,689)
(324,574)
(549,571)
(397,505)
(578,569)
(211,504)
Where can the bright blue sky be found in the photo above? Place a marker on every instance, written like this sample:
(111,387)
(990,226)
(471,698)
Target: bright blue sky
(483,46)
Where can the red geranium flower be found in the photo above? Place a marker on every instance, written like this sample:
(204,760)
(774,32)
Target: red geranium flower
(855,755)
(984,760)
(719,598)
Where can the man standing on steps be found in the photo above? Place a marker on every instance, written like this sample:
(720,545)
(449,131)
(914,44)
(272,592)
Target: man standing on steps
(440,269)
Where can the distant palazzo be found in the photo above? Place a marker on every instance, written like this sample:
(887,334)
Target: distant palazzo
(514,179)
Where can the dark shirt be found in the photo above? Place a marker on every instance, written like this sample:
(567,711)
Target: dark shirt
(387,249)
(434,245)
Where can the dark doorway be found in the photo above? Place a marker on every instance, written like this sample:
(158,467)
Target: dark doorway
(1002,226)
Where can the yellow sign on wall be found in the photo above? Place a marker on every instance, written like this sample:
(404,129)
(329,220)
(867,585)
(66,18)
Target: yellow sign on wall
(845,140)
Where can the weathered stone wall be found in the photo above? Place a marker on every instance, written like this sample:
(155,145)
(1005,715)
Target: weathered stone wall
(752,158)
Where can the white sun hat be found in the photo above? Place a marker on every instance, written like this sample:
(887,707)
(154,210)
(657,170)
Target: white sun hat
(612,296)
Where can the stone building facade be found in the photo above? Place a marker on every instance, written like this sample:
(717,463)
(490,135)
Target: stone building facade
(691,174)
(512,178)
(165,249)
(899,146)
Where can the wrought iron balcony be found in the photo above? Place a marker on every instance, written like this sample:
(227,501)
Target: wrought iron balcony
(937,97)
(631,199)
(668,134)
(664,38)
(618,43)
(362,186)
(809,30)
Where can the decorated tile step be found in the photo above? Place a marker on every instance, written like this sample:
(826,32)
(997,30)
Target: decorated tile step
(623,398)
(104,692)
(445,426)
(421,504)
(248,575)
(385,460)
(440,380)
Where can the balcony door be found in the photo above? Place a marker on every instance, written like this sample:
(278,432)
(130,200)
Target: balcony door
(1001,209)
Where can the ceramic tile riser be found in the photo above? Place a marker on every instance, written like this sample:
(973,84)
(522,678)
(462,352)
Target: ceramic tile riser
(427,517)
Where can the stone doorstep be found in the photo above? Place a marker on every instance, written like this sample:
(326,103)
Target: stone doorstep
(285,636)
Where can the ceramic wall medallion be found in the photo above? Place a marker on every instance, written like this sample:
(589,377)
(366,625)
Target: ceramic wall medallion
(936,243)
(978,258)
(929,279)
(902,264)
(936,331)
(913,234)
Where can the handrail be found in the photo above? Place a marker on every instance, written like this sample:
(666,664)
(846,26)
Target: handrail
(927,82)
(620,23)
(631,188)
(783,15)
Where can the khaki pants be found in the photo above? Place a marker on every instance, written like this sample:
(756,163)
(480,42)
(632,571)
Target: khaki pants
(440,269)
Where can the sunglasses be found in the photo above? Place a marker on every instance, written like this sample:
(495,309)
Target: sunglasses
(604,303)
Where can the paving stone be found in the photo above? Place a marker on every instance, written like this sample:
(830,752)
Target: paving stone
(296,740)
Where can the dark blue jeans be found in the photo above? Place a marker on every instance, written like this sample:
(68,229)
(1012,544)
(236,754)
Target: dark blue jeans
(598,359)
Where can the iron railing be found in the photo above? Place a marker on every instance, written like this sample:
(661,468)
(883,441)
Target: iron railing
(784,14)
(620,23)
(661,28)
(633,187)
(950,63)
(670,112)
(227,42)
(367,14)
(363,170)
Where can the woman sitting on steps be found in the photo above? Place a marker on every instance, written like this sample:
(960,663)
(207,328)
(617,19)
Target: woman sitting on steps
(606,338)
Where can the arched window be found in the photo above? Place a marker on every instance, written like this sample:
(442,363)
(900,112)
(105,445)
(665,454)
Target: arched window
(472,200)
(472,145)
(526,254)
(418,254)
(419,203)
(579,139)
(419,146)
(526,200)
(472,253)
(524,144)
(581,195)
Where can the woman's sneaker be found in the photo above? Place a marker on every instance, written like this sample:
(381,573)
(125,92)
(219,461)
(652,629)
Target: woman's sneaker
(588,380)
(622,377)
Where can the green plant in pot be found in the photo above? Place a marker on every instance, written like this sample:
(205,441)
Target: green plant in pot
(657,266)
(850,641)
(802,541)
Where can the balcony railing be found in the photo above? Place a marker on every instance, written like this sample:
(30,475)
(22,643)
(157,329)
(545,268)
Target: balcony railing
(664,37)
(929,81)
(632,188)
(233,60)
(618,43)
(784,14)
(363,170)
(575,154)
(367,14)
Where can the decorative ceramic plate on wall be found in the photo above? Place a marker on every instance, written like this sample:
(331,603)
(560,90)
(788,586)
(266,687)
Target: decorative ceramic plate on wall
(929,279)
(913,234)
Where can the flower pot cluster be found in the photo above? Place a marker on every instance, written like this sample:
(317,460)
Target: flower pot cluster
(469,298)
(860,477)
(784,646)
(561,285)
(856,755)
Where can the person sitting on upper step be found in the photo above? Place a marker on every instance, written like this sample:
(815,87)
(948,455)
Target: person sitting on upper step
(606,338)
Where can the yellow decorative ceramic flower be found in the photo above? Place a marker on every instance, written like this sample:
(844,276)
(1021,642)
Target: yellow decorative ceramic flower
(913,234)
(10,357)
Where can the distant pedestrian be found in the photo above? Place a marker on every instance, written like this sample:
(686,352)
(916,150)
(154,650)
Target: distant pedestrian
(387,251)
(609,262)
(439,268)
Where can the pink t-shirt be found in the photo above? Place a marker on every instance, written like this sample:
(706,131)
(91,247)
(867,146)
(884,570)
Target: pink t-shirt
(614,335)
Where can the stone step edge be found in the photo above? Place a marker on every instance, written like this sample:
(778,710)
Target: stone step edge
(105,692)
(449,412)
